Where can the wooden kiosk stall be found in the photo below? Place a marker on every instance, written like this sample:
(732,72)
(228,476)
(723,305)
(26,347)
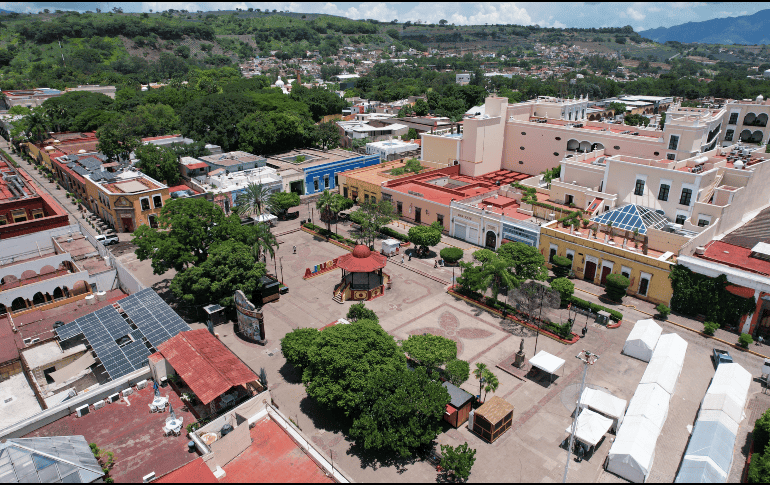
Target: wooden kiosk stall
(493,419)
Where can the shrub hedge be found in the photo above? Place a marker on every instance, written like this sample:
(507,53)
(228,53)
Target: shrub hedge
(587,305)
(451,255)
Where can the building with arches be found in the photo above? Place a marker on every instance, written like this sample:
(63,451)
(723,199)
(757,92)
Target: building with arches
(746,121)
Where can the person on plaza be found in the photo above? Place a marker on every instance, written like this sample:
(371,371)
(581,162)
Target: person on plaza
(585,329)
(402,259)
(760,340)
(295,249)
(435,263)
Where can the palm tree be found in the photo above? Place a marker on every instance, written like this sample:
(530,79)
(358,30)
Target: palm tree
(491,383)
(480,373)
(253,200)
(37,126)
(265,241)
(327,203)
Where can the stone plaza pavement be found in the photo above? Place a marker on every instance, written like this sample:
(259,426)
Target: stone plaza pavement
(531,450)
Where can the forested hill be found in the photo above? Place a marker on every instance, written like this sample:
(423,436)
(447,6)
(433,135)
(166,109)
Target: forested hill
(747,29)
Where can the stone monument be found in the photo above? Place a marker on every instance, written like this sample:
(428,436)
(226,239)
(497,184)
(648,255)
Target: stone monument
(519,358)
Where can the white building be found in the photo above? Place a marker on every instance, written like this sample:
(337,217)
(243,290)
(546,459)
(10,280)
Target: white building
(463,78)
(386,148)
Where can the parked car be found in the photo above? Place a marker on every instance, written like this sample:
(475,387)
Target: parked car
(107,239)
(721,356)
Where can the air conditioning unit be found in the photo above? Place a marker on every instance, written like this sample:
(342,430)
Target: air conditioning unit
(127,392)
(99,404)
(141,384)
(34,341)
(82,411)
(148,478)
(27,341)
(112,398)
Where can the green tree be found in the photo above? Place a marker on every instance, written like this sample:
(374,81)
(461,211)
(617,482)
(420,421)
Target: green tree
(412,134)
(458,460)
(617,107)
(37,125)
(187,229)
(343,362)
(491,383)
(457,371)
(281,202)
(154,120)
(479,372)
(159,163)
(420,107)
(265,241)
(230,266)
(616,286)
(430,350)
(451,254)
(330,204)
(253,200)
(117,139)
(561,266)
(413,165)
(424,236)
(372,217)
(528,263)
(565,288)
(401,410)
(494,273)
(274,131)
(358,311)
(297,345)
(327,135)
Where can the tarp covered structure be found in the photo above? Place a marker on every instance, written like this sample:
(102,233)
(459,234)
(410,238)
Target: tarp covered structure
(642,340)
(604,403)
(633,451)
(666,363)
(709,453)
(590,427)
(650,401)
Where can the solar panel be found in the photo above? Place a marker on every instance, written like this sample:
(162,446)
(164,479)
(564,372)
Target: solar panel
(157,321)
(630,217)
(68,331)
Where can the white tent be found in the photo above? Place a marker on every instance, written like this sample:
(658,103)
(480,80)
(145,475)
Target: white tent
(650,401)
(590,427)
(699,469)
(390,246)
(641,342)
(671,345)
(663,371)
(547,362)
(728,391)
(633,451)
(604,403)
(266,218)
(720,416)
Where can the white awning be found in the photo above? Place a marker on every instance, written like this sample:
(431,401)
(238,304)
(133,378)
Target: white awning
(641,342)
(546,362)
(590,427)
(265,218)
(66,373)
(603,403)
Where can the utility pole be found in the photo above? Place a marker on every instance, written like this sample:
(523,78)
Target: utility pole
(588,359)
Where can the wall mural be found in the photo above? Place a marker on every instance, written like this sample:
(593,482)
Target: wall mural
(250,318)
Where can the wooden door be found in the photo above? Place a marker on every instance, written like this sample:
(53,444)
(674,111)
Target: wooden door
(417,215)
(590,271)
(605,272)
(128,224)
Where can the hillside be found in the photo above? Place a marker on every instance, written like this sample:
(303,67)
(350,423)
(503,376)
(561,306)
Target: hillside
(747,30)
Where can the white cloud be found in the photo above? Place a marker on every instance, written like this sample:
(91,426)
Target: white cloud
(470,14)
(635,14)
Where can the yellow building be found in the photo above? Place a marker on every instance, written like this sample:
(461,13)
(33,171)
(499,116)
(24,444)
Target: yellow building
(128,202)
(596,257)
(365,184)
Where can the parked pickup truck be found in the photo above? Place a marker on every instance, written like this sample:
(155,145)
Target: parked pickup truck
(721,356)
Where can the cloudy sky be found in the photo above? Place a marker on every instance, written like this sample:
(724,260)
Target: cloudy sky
(641,15)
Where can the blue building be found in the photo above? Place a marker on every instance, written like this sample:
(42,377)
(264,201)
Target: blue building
(324,176)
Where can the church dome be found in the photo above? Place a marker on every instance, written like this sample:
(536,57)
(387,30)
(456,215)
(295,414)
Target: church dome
(279,83)
(361,252)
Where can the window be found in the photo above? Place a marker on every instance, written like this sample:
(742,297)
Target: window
(399,208)
(673,142)
(733,119)
(157,201)
(326,181)
(656,153)
(440,219)
(336,180)
(702,222)
(37,214)
(523,132)
(374,200)
(345,192)
(663,192)
(686,196)
(145,201)
(680,218)
(19,215)
(558,138)
(671,156)
(729,135)
(625,271)
(521,148)
(571,255)
(569,199)
(3,221)
(616,147)
(644,284)
(521,162)
(366,197)
(153,220)
(315,183)
(639,188)
(554,249)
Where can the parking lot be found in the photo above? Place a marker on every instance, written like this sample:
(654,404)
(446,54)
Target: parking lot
(530,450)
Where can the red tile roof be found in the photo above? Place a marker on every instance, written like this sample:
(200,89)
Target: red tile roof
(194,166)
(194,472)
(205,364)
(735,256)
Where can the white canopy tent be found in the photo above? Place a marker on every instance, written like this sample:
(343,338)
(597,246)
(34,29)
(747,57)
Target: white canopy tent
(663,371)
(650,401)
(641,342)
(390,246)
(671,345)
(721,417)
(605,404)
(633,451)
(728,391)
(590,427)
(269,218)
(546,362)
(699,469)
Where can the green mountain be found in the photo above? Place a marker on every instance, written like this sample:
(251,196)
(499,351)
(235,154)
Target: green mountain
(748,30)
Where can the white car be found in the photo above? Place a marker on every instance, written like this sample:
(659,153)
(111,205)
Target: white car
(107,239)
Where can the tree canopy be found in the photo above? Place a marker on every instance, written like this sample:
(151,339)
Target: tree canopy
(430,350)
(425,236)
(160,163)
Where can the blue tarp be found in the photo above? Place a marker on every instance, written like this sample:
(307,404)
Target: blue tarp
(709,439)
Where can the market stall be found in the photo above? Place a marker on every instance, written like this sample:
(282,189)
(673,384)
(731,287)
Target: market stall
(547,363)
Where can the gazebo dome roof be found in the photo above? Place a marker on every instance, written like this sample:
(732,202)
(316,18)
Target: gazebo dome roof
(362,260)
(361,252)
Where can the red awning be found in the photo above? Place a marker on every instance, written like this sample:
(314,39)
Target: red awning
(450,410)
(362,260)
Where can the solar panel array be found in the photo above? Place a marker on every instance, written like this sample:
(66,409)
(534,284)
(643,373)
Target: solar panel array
(630,217)
(155,320)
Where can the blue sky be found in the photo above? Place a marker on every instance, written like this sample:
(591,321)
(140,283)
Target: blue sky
(640,15)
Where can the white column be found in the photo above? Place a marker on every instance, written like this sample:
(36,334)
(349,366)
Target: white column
(747,323)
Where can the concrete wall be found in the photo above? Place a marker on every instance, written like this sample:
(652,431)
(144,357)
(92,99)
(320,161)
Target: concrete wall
(35,265)
(440,149)
(32,245)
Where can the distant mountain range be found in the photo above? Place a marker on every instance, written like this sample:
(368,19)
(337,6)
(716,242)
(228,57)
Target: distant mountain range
(748,29)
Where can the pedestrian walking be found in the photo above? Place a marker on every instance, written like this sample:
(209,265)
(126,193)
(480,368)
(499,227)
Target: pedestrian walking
(435,263)
(585,329)
(402,259)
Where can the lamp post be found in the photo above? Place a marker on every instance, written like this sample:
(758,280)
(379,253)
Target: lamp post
(587,358)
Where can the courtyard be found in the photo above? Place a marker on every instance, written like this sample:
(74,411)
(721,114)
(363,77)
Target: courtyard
(416,304)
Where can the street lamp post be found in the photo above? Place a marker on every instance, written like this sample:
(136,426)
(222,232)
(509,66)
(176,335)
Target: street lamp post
(587,358)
